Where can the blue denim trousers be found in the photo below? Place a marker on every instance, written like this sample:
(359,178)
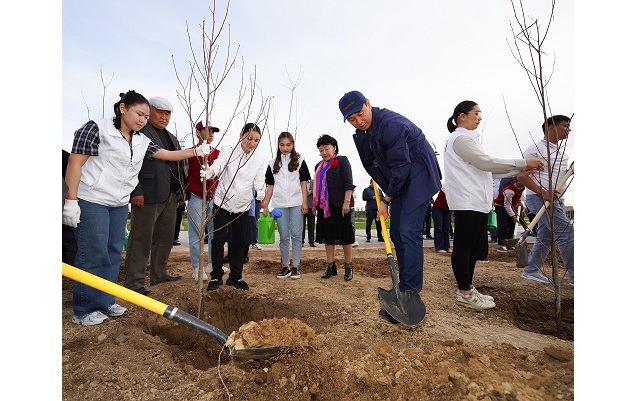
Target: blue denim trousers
(406,233)
(194,221)
(564,235)
(290,226)
(441,220)
(100,236)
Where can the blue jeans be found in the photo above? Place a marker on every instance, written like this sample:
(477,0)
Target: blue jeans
(406,233)
(290,225)
(194,221)
(441,219)
(564,235)
(100,236)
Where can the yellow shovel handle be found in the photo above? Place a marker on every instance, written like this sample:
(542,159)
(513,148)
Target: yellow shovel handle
(384,231)
(114,289)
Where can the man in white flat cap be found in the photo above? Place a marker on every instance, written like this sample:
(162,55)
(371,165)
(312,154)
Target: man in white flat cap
(153,206)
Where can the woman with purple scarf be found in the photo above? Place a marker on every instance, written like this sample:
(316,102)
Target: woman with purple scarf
(332,199)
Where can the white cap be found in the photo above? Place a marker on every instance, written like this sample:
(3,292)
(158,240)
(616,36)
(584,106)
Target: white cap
(161,104)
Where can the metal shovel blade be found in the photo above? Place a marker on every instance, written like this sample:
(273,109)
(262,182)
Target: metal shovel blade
(521,250)
(256,353)
(407,308)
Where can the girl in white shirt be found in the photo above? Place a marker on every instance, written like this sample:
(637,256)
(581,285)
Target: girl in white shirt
(286,178)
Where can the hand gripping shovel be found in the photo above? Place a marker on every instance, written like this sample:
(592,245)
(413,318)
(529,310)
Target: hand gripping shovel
(170,312)
(521,251)
(406,307)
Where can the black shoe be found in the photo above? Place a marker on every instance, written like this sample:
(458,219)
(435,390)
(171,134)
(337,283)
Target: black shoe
(213,284)
(168,279)
(240,284)
(143,291)
(429,236)
(348,274)
(368,240)
(246,259)
(313,245)
(176,242)
(330,271)
(380,239)
(226,260)
(384,315)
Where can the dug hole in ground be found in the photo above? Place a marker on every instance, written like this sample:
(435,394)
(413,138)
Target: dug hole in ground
(338,347)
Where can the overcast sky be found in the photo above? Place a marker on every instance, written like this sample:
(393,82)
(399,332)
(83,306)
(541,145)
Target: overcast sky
(417,58)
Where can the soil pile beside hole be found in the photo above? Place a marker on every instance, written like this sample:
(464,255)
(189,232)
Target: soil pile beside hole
(279,332)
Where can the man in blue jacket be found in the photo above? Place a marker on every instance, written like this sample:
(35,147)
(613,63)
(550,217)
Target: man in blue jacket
(396,154)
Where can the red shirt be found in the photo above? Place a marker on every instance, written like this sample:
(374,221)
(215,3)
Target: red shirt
(194,182)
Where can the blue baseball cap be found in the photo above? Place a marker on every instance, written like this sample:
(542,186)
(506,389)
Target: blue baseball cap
(350,103)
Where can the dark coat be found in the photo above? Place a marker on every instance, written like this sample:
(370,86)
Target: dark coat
(339,180)
(396,154)
(154,176)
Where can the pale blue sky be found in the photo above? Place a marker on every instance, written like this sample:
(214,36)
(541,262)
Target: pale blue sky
(417,58)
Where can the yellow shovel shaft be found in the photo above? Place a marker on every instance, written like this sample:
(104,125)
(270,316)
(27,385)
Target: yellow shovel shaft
(114,289)
(384,231)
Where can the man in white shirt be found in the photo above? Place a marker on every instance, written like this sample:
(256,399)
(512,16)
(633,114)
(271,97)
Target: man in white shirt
(556,129)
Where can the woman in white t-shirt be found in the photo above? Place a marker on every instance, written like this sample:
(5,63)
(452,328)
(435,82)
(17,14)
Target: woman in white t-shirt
(286,178)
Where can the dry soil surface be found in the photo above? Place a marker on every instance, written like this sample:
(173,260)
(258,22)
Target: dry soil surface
(337,348)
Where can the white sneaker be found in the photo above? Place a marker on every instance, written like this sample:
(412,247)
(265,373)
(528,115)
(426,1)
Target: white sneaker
(256,246)
(226,269)
(442,251)
(90,319)
(473,301)
(355,244)
(204,276)
(537,276)
(502,248)
(479,294)
(116,310)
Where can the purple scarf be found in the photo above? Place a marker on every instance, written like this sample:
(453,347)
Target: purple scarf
(320,197)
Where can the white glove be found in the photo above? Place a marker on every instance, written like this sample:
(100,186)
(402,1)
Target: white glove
(260,195)
(203,150)
(206,172)
(71,213)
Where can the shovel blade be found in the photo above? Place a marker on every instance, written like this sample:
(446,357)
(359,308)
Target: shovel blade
(256,353)
(521,253)
(408,308)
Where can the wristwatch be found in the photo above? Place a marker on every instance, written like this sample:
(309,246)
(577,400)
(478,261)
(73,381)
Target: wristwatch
(386,201)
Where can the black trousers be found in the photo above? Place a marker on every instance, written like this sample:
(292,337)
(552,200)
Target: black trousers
(309,219)
(505,225)
(237,223)
(371,216)
(469,246)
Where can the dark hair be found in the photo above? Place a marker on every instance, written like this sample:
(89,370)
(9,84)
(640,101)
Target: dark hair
(326,139)
(554,120)
(294,161)
(463,107)
(249,127)
(129,99)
